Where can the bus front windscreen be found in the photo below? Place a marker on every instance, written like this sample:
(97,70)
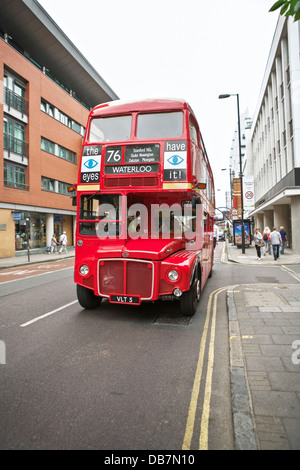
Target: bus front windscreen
(110,129)
(160,125)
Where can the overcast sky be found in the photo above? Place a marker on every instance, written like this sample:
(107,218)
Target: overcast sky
(191,49)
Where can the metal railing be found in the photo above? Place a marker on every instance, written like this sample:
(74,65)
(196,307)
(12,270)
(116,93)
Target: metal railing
(15,185)
(12,144)
(13,100)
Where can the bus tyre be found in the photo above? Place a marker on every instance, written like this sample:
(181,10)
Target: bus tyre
(87,298)
(189,300)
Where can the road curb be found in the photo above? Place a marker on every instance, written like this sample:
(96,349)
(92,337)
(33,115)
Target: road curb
(41,261)
(243,425)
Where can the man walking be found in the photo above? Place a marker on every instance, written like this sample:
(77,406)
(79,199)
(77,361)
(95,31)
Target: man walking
(276,242)
(63,242)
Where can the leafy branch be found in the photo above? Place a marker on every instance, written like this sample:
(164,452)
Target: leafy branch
(288,8)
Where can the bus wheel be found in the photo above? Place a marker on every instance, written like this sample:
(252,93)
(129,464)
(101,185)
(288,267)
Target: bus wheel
(189,300)
(87,298)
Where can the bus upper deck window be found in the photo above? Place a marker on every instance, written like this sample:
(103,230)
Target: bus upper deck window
(160,125)
(109,129)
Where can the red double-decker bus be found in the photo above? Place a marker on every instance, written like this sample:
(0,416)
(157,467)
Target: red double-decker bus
(145,206)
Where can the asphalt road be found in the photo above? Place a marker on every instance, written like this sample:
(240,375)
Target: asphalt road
(117,377)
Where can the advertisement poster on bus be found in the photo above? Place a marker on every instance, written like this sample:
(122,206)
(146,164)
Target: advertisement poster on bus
(238,232)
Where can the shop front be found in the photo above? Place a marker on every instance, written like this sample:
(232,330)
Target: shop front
(32,227)
(29,227)
(23,229)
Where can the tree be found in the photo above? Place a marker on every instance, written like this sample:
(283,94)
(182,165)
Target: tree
(288,8)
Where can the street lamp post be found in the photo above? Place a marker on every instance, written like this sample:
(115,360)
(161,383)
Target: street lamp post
(241,165)
(230,184)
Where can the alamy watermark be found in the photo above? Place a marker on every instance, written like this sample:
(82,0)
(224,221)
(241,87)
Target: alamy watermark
(296,353)
(2,352)
(115,219)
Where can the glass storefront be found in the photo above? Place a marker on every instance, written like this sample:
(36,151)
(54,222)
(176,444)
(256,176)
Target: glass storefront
(29,226)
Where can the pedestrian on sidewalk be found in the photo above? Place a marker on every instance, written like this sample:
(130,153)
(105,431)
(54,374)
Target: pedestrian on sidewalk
(54,243)
(216,234)
(276,242)
(267,240)
(258,242)
(283,239)
(63,241)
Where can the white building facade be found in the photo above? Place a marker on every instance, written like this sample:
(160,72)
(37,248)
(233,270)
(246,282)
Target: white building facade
(273,156)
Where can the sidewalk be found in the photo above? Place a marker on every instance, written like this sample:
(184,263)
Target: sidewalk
(250,257)
(264,335)
(15,261)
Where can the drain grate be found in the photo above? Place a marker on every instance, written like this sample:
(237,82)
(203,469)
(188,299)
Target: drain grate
(172,319)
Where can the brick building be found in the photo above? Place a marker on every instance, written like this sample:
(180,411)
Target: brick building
(48,88)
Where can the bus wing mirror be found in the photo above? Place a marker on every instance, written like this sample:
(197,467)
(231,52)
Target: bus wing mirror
(195,200)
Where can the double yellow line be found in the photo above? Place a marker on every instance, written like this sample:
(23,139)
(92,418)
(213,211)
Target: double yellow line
(190,424)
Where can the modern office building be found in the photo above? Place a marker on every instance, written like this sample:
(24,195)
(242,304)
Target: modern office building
(273,157)
(48,88)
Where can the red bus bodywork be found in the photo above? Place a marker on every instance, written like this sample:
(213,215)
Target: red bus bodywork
(148,168)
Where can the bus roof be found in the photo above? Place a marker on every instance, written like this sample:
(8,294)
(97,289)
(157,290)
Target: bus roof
(121,107)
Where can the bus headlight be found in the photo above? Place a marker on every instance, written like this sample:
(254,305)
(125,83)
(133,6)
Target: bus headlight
(84,270)
(173,275)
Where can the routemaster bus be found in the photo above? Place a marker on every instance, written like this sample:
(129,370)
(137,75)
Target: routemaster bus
(145,206)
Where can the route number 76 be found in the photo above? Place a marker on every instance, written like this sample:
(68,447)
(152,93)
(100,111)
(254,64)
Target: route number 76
(113,155)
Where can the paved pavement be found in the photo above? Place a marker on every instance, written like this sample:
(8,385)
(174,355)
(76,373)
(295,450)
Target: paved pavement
(250,257)
(264,332)
(15,261)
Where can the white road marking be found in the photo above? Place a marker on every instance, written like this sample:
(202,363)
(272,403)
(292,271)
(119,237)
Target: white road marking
(48,314)
(35,275)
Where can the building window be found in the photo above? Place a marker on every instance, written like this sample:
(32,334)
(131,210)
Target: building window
(14,137)
(14,92)
(48,184)
(66,154)
(14,176)
(55,186)
(47,108)
(47,146)
(63,188)
(58,150)
(61,117)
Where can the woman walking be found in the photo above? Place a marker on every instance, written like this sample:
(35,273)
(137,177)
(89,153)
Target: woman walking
(257,240)
(267,240)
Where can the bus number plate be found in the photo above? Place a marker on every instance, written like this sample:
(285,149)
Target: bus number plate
(124,299)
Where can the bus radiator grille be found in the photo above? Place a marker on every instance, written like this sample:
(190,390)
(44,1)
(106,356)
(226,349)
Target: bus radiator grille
(125,277)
